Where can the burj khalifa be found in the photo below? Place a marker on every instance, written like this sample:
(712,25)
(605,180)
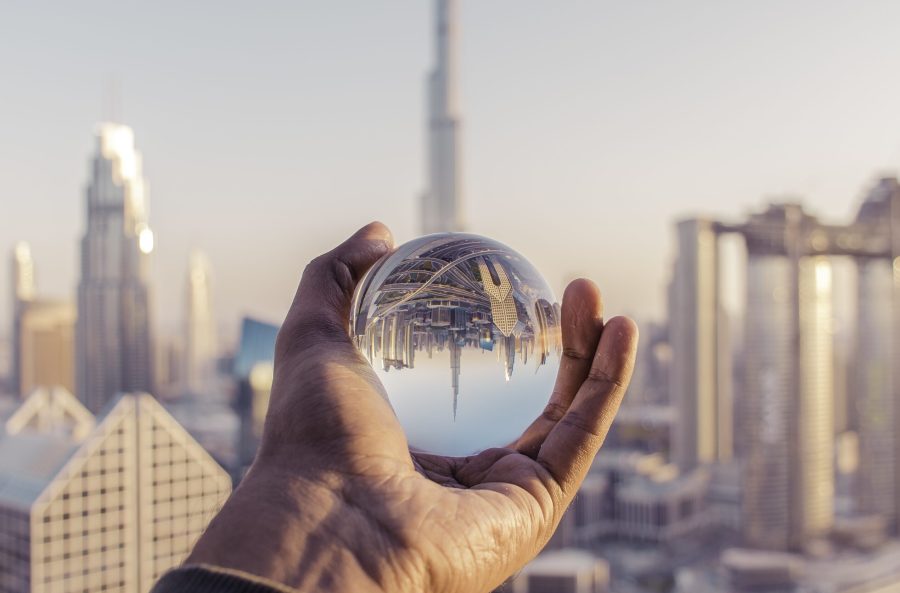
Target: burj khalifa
(441,203)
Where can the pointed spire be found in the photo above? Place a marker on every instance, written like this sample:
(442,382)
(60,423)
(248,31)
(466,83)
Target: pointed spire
(455,356)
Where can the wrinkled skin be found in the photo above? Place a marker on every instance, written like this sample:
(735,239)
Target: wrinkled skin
(336,501)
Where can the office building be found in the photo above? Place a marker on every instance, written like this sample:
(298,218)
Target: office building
(664,507)
(43,332)
(786,424)
(200,327)
(170,367)
(114,351)
(563,571)
(46,341)
(701,371)
(441,206)
(253,373)
(788,487)
(22,279)
(756,570)
(877,372)
(105,507)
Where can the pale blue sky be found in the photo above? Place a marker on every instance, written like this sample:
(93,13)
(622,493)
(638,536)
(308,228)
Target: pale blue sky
(271,130)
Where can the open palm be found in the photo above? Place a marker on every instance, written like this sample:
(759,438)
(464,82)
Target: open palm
(337,501)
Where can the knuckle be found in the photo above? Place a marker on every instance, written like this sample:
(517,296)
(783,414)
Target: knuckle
(576,354)
(582,424)
(330,271)
(601,376)
(554,411)
(343,276)
(315,266)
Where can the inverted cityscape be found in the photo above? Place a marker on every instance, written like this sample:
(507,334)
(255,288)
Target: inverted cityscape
(450,292)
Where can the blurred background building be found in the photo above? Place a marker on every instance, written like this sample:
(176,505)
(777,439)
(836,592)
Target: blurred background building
(115,338)
(441,206)
(569,571)
(201,350)
(253,370)
(99,504)
(43,332)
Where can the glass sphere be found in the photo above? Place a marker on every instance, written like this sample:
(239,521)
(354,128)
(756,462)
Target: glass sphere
(464,334)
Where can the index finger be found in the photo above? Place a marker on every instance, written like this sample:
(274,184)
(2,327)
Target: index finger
(570,447)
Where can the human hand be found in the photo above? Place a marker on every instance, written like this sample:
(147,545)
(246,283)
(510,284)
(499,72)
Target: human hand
(335,500)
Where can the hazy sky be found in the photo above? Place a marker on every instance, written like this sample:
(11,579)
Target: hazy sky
(271,130)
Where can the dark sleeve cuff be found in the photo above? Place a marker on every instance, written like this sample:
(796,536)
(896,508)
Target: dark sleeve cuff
(213,579)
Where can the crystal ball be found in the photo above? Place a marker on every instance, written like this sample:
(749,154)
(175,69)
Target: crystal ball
(464,334)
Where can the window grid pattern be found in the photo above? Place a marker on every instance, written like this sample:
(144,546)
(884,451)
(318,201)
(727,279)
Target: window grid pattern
(83,527)
(126,507)
(15,551)
(181,489)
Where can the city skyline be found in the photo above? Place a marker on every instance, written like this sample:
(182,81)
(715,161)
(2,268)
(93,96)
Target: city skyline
(757,447)
(464,300)
(549,122)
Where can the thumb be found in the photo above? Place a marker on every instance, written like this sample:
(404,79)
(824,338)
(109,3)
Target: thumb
(320,312)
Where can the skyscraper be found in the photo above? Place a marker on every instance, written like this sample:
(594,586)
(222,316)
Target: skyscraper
(253,373)
(105,507)
(200,330)
(114,342)
(23,292)
(877,372)
(47,346)
(786,420)
(441,207)
(788,481)
(700,377)
(43,337)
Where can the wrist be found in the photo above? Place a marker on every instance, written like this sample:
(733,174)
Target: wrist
(285,528)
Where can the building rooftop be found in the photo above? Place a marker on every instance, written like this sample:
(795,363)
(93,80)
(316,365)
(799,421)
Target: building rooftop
(50,410)
(28,463)
(761,561)
(647,414)
(664,481)
(37,438)
(627,460)
(563,562)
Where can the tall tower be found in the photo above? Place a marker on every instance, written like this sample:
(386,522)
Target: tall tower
(788,477)
(200,327)
(23,293)
(701,358)
(441,203)
(877,380)
(114,342)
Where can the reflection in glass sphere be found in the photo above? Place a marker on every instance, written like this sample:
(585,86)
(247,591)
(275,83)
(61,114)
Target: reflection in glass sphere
(464,334)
